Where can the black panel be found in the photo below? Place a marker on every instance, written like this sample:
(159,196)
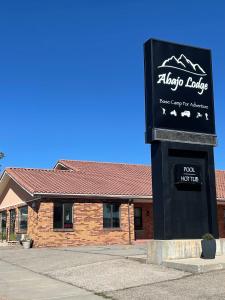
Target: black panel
(178,88)
(187,211)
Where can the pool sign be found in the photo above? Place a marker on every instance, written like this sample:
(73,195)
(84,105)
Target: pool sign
(178,89)
(188,175)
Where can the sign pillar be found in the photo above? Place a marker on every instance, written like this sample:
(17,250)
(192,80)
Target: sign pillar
(180,127)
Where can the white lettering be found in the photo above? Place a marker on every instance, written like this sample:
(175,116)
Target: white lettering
(162,78)
(176,82)
(161,101)
(168,80)
(176,103)
(197,85)
(189,169)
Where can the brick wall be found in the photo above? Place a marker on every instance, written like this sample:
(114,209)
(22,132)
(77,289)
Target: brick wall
(220,218)
(147,214)
(147,221)
(88,226)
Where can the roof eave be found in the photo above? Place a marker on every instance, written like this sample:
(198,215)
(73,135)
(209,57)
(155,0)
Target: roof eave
(25,189)
(61,164)
(99,196)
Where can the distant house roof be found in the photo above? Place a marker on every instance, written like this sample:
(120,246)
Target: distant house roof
(85,178)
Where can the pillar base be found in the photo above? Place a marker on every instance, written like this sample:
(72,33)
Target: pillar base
(159,251)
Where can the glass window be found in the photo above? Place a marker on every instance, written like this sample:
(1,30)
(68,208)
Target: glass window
(111,215)
(63,216)
(23,216)
(4,219)
(68,216)
(58,216)
(12,225)
(3,224)
(138,218)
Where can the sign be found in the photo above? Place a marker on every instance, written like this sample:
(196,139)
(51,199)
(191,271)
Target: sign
(178,89)
(188,175)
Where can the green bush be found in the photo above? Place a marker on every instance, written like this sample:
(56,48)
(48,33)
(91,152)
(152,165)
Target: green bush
(3,236)
(12,237)
(208,237)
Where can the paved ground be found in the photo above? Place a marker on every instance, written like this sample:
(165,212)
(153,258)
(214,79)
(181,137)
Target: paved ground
(197,265)
(205,286)
(20,283)
(98,273)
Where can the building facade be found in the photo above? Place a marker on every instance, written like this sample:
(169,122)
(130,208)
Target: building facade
(82,203)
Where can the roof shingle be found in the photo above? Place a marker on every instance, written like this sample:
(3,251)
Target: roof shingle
(94,178)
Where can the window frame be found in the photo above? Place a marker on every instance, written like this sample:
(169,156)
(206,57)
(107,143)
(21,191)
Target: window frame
(19,219)
(63,216)
(111,216)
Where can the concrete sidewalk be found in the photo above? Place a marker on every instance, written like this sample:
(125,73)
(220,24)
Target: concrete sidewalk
(88,273)
(197,265)
(19,283)
(75,273)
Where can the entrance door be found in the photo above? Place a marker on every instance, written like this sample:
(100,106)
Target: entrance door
(138,224)
(12,234)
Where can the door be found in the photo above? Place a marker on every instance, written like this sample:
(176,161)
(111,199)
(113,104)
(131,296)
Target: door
(138,224)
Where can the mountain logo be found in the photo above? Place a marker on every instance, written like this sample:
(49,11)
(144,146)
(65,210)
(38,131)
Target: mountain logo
(184,64)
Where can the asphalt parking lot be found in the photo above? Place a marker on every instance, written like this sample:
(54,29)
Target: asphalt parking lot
(98,273)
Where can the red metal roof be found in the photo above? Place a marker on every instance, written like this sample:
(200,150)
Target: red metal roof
(93,178)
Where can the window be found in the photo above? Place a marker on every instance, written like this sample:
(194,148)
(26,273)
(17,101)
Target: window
(138,218)
(12,221)
(3,220)
(23,214)
(63,216)
(111,215)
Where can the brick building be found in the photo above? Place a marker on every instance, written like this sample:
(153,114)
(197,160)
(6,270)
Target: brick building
(83,203)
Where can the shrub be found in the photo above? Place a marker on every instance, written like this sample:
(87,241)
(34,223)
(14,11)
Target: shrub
(208,237)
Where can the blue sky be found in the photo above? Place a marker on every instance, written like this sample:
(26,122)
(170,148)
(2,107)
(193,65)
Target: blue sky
(71,75)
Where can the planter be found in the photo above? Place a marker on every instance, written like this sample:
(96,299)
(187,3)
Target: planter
(26,244)
(208,249)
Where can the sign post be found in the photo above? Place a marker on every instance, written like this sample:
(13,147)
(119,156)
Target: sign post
(180,127)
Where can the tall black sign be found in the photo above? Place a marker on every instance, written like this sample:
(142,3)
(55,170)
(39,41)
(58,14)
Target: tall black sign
(178,91)
(180,126)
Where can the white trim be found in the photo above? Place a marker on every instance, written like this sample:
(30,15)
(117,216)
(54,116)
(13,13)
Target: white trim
(20,204)
(13,206)
(64,166)
(94,195)
(3,174)
(220,201)
(143,200)
(99,162)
